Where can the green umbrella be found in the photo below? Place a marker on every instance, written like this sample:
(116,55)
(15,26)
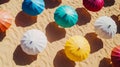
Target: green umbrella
(65,16)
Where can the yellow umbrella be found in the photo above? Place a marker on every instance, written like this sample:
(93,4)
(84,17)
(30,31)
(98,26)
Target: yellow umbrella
(77,48)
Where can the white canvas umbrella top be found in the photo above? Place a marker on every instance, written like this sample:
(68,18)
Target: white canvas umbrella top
(33,42)
(105,27)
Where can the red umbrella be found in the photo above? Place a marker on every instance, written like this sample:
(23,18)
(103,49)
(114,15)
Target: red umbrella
(115,56)
(93,5)
(5,20)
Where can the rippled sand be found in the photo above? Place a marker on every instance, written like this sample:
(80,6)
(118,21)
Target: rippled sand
(11,54)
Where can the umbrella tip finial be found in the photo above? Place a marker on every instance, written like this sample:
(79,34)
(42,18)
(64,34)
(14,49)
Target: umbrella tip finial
(78,48)
(30,42)
(109,26)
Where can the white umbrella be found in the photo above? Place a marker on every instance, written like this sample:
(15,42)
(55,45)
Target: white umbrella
(33,42)
(105,27)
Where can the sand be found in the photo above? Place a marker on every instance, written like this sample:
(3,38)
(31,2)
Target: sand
(11,54)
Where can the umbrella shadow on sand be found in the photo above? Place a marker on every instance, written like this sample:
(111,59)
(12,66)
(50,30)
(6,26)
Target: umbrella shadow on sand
(2,35)
(95,43)
(21,58)
(52,3)
(22,19)
(4,1)
(105,62)
(108,3)
(61,60)
(84,16)
(54,33)
(117,20)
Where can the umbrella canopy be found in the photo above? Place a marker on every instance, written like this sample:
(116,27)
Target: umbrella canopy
(77,48)
(5,20)
(33,42)
(115,56)
(33,7)
(93,5)
(65,16)
(105,27)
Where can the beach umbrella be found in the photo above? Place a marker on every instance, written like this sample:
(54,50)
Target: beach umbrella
(115,56)
(77,48)
(33,7)
(33,42)
(5,20)
(105,27)
(93,5)
(65,16)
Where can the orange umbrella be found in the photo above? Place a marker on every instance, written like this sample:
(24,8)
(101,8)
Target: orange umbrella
(5,20)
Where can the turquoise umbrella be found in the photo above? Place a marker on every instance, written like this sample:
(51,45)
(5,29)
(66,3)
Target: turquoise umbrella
(65,16)
(33,7)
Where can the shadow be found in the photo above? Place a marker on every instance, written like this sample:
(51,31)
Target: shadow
(117,20)
(21,58)
(22,19)
(62,61)
(84,16)
(108,3)
(4,1)
(52,3)
(105,62)
(2,35)
(54,33)
(95,43)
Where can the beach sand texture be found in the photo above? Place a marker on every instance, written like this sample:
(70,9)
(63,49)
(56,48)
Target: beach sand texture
(11,54)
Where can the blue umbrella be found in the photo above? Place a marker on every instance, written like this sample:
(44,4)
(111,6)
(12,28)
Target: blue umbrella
(33,7)
(65,16)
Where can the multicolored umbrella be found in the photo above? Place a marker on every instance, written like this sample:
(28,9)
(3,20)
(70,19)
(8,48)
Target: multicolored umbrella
(33,42)
(77,48)
(33,7)
(5,20)
(65,16)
